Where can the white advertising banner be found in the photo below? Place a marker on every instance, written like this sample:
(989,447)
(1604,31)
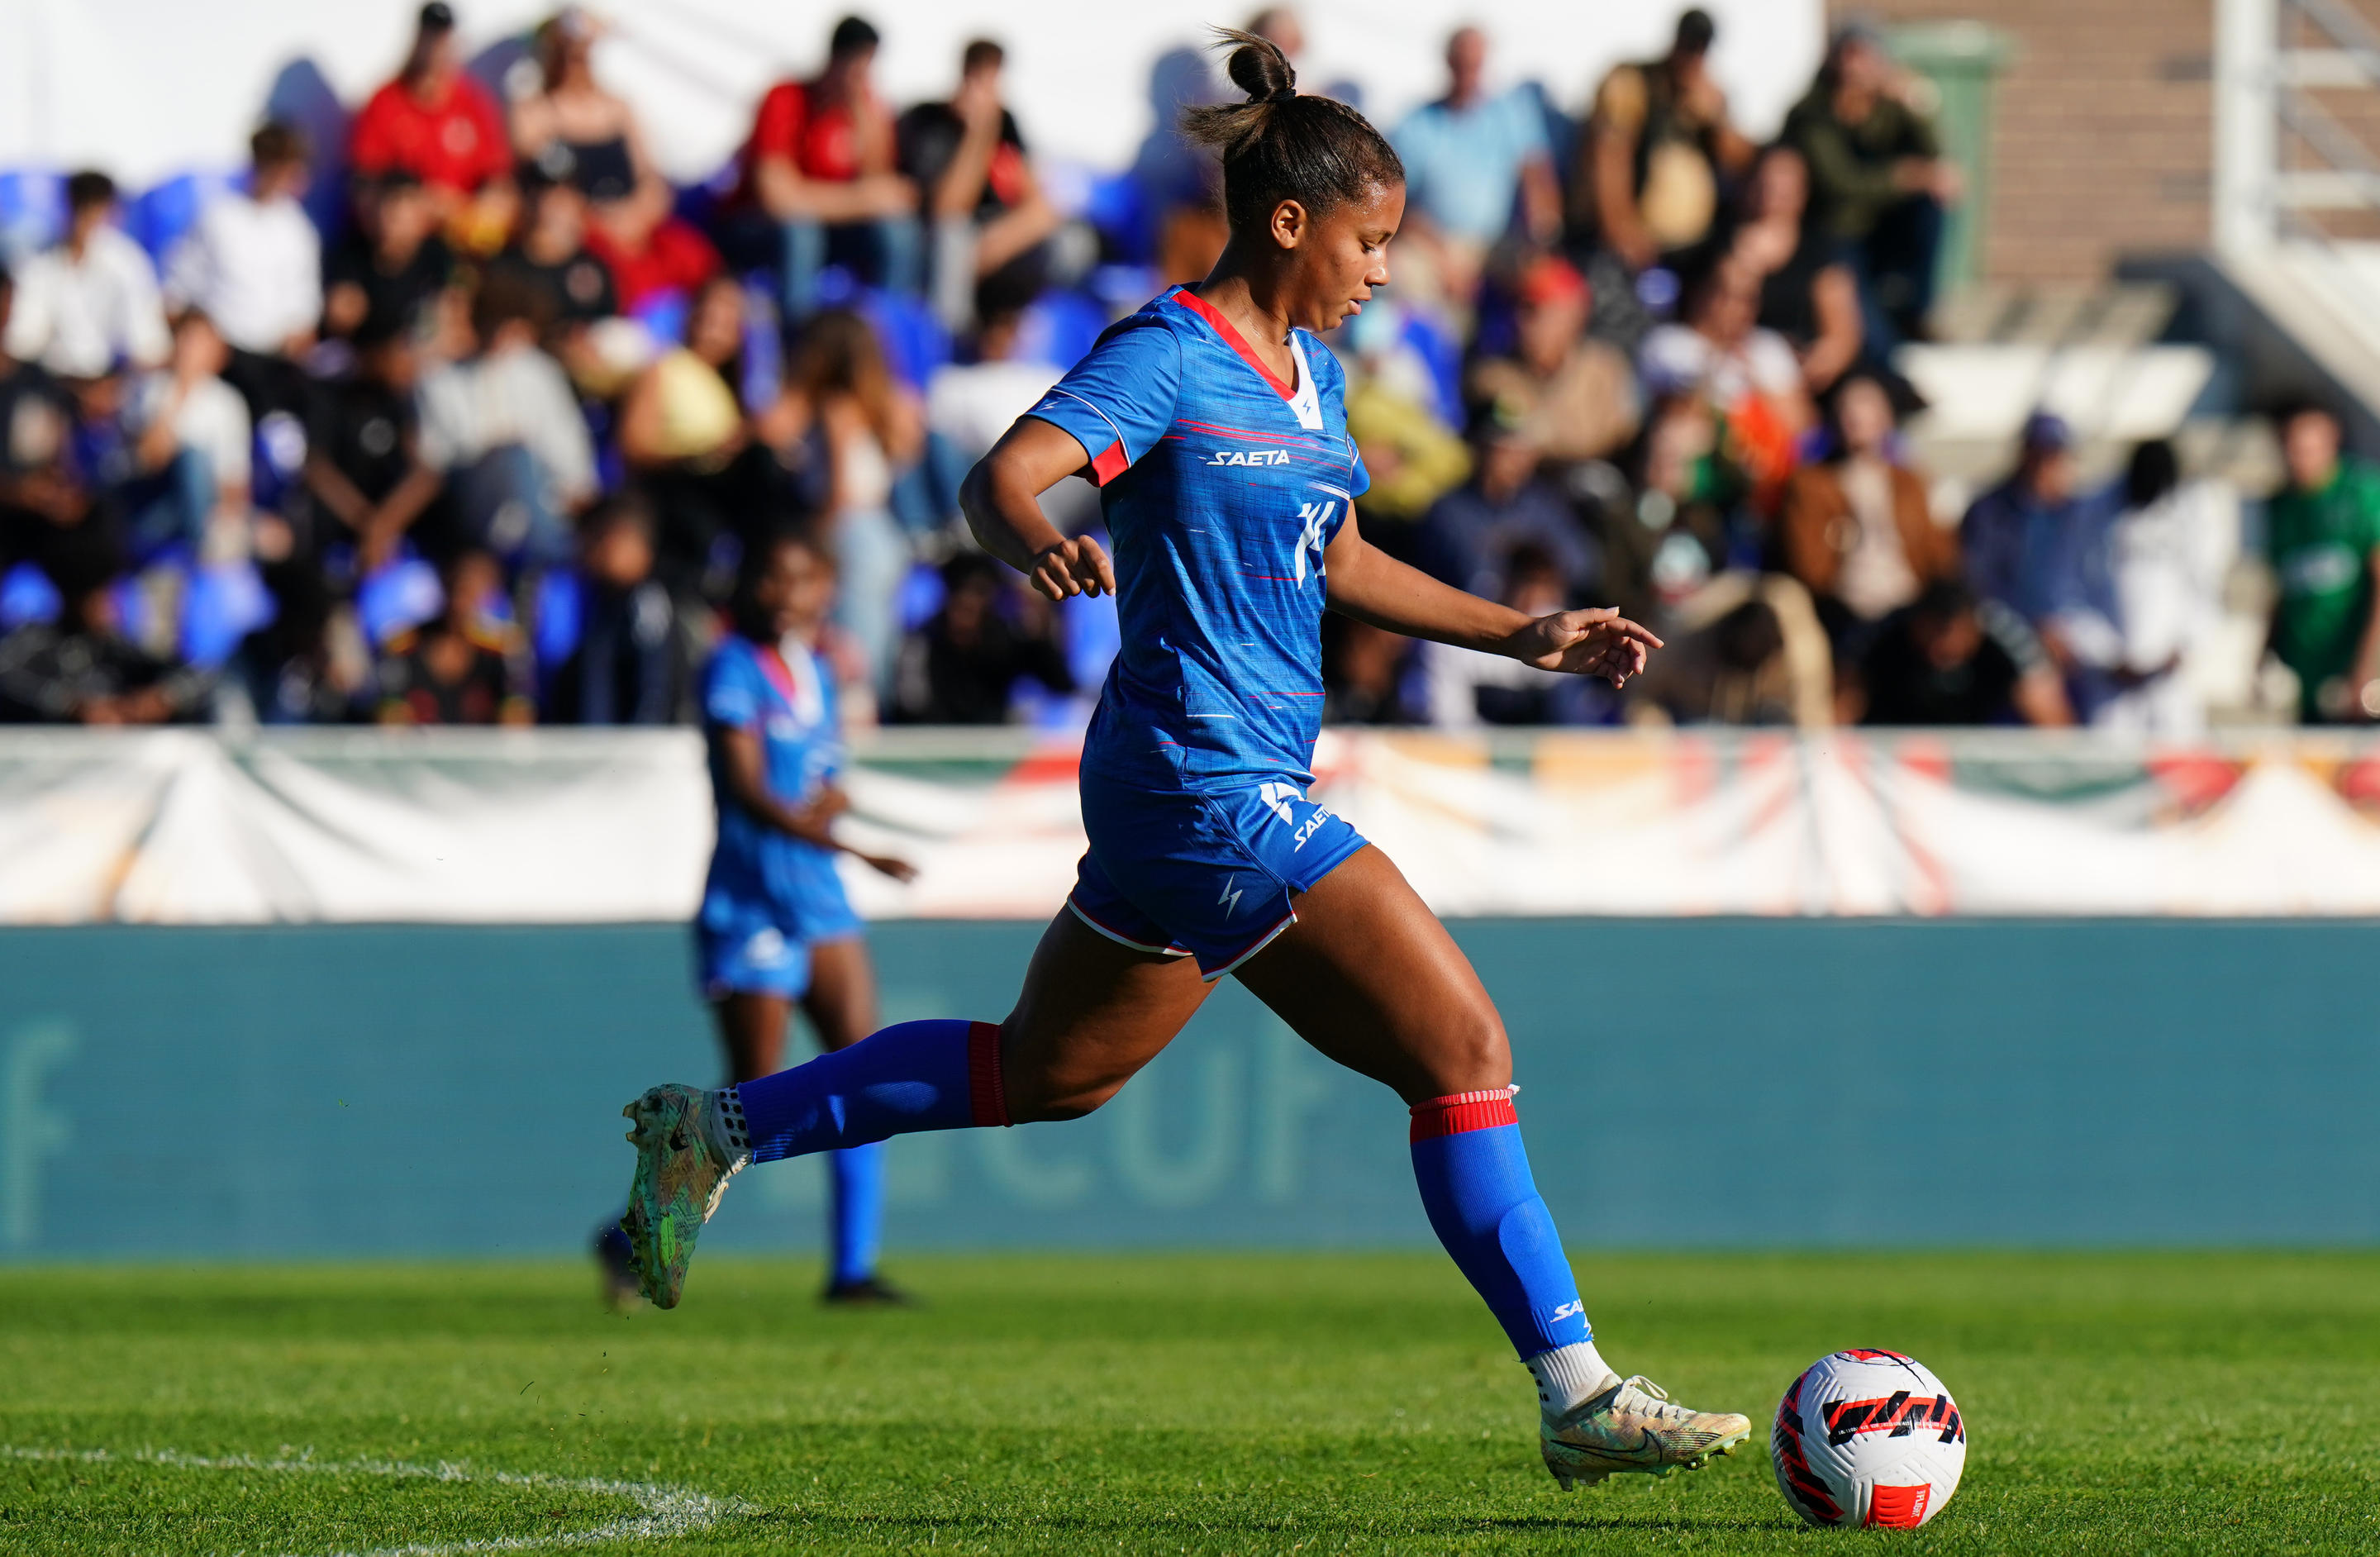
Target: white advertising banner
(559,826)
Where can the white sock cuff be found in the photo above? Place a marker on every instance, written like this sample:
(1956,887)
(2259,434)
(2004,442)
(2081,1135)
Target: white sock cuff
(1568,1375)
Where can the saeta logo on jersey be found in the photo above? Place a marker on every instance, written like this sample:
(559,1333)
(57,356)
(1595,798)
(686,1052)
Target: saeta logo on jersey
(1277,797)
(1248,456)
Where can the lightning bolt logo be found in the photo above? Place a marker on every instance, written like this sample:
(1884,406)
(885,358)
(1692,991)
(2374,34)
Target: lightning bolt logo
(1229,901)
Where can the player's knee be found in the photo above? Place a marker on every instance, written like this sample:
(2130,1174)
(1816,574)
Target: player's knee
(1472,1054)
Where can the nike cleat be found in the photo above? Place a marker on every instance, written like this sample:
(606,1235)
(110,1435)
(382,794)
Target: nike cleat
(1633,1425)
(680,1176)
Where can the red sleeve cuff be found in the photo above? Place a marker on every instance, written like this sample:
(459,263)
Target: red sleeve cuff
(1107,466)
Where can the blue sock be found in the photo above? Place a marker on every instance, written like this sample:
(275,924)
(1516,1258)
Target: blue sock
(859,1173)
(1476,1185)
(913,1076)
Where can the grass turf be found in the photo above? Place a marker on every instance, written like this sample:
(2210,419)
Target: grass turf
(2166,1403)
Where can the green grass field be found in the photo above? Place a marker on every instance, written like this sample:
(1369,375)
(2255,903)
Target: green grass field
(1240,1403)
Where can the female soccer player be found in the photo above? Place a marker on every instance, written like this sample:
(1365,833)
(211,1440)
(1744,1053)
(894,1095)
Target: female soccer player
(775,926)
(1211,422)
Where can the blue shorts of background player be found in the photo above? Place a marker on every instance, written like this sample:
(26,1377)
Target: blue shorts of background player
(743,948)
(1210,874)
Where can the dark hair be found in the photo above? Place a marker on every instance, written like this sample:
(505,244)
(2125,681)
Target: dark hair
(1944,600)
(981,54)
(1696,30)
(2289,412)
(2155,470)
(1282,145)
(743,606)
(277,144)
(852,35)
(505,297)
(88,189)
(626,509)
(1748,637)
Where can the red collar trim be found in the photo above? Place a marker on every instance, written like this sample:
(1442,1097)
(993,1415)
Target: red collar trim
(779,674)
(1233,338)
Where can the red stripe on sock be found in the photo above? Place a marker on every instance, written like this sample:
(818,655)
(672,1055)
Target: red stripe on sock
(1463,1112)
(985,1091)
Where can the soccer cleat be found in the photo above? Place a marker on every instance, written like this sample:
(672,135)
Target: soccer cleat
(868,1292)
(1633,1425)
(680,1176)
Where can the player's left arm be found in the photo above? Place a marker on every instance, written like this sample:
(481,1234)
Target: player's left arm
(1373,587)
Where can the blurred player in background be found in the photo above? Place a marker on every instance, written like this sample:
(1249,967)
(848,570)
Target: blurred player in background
(775,926)
(1213,422)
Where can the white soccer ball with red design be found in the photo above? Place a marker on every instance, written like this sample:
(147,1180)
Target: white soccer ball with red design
(1868,1437)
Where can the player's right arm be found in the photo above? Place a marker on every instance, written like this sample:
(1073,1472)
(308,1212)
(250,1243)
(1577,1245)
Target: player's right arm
(1001,500)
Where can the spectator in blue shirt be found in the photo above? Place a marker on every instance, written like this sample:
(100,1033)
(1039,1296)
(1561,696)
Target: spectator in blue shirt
(2018,536)
(1467,157)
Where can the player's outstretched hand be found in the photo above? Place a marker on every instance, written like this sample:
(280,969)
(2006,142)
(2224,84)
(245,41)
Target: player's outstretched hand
(1600,642)
(899,869)
(1074,566)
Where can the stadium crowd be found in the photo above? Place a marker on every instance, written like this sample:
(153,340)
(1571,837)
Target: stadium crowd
(480,436)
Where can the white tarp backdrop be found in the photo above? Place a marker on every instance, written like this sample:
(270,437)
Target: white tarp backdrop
(569,826)
(146,88)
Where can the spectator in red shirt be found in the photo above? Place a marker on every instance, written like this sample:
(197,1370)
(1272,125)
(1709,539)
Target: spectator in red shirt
(439,125)
(819,169)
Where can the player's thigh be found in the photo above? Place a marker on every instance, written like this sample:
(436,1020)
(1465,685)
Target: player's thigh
(840,1002)
(752,1030)
(1091,1014)
(1369,976)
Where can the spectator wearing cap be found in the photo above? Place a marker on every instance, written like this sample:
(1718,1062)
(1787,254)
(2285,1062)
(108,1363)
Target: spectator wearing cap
(963,666)
(43,499)
(1476,163)
(1657,153)
(987,212)
(1878,181)
(819,169)
(1581,392)
(504,430)
(1470,535)
(2015,536)
(90,303)
(1856,528)
(254,265)
(436,123)
(391,266)
(572,132)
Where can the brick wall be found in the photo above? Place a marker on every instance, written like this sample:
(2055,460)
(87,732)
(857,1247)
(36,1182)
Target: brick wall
(2103,140)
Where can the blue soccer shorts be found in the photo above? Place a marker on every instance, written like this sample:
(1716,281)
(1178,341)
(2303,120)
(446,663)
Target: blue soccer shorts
(1204,875)
(749,948)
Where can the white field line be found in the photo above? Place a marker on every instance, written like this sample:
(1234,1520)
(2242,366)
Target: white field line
(664,1512)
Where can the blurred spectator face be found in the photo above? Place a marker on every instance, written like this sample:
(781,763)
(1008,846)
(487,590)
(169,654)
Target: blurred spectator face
(1466,62)
(796,591)
(1536,586)
(198,348)
(715,334)
(971,602)
(1860,67)
(1554,305)
(92,612)
(1780,185)
(1680,435)
(1947,640)
(393,362)
(557,221)
(473,580)
(2050,474)
(437,56)
(850,75)
(90,200)
(620,555)
(1749,635)
(1728,304)
(403,216)
(2310,448)
(1507,461)
(1864,417)
(1280,26)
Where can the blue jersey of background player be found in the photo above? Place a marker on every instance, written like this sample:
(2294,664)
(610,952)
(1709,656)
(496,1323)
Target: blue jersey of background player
(775,926)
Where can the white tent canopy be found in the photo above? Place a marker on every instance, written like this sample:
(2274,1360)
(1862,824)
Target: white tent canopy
(147,89)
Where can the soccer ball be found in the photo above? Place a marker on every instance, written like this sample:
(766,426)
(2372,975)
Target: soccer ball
(1867,1437)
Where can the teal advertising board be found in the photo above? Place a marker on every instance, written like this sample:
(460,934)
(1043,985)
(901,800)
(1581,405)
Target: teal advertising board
(413,1090)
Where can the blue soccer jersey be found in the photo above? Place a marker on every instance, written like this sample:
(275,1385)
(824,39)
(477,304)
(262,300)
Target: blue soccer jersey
(1221,486)
(757,873)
